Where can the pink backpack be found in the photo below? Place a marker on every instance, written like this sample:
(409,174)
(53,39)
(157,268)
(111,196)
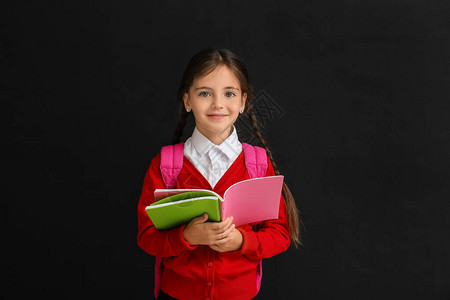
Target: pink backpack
(171,165)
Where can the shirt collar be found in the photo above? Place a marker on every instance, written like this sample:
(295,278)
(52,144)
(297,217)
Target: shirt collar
(231,147)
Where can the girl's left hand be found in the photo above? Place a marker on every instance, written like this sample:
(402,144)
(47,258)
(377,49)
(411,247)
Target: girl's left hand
(235,243)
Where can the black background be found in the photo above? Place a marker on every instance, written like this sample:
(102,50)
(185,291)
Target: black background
(88,97)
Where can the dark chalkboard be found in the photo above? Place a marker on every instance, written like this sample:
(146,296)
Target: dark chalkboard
(359,90)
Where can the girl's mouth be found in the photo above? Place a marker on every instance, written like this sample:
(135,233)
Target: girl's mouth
(217,116)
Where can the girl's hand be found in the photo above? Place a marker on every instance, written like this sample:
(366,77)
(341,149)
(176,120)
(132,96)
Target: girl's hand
(200,232)
(235,243)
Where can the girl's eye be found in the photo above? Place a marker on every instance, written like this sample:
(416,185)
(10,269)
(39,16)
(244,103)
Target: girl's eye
(204,94)
(229,94)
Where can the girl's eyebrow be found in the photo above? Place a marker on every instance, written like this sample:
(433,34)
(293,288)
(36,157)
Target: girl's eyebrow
(231,88)
(208,88)
(203,88)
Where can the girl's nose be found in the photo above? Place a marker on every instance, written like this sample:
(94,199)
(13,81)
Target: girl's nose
(216,102)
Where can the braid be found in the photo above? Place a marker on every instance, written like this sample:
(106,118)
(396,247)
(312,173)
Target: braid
(182,117)
(291,208)
(263,142)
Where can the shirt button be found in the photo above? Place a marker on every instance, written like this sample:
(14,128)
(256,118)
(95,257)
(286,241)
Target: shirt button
(209,283)
(210,264)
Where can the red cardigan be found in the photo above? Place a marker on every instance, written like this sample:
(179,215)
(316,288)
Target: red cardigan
(196,272)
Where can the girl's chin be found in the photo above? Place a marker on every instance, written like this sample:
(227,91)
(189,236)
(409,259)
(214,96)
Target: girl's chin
(215,130)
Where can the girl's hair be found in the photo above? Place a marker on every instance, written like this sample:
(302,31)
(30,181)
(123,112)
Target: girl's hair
(201,65)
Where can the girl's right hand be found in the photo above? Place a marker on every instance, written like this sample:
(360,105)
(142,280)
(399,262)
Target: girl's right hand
(200,232)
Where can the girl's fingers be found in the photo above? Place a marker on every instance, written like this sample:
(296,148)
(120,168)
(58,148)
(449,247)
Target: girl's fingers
(202,219)
(226,233)
(218,227)
(224,225)
(218,233)
(224,240)
(230,229)
(226,236)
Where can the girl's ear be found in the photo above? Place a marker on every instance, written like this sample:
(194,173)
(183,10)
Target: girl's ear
(244,99)
(186,102)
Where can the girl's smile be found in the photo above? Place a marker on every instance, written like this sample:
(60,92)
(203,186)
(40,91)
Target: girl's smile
(217,116)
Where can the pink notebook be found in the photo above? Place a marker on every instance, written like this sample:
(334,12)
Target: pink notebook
(248,201)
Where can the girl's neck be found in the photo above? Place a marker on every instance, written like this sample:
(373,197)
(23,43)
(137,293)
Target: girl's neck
(216,138)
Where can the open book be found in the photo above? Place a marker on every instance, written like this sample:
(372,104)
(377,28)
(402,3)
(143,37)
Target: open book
(247,201)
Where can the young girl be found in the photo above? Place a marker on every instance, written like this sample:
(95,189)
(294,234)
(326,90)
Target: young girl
(214,260)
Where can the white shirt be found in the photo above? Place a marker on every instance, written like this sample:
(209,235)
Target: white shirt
(212,160)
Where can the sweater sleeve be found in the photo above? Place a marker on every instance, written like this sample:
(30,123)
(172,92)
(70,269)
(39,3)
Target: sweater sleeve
(162,243)
(272,237)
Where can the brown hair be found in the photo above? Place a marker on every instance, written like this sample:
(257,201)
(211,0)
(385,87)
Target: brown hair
(201,64)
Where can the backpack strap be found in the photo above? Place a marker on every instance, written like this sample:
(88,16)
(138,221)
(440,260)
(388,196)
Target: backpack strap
(255,160)
(171,164)
(158,276)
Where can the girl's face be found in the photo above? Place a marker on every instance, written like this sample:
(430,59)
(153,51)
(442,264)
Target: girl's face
(216,101)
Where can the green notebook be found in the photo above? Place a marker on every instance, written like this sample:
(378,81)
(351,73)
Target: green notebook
(179,209)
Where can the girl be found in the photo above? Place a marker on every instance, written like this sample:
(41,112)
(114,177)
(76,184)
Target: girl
(214,260)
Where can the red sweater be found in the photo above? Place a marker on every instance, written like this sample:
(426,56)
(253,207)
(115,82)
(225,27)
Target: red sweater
(196,272)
